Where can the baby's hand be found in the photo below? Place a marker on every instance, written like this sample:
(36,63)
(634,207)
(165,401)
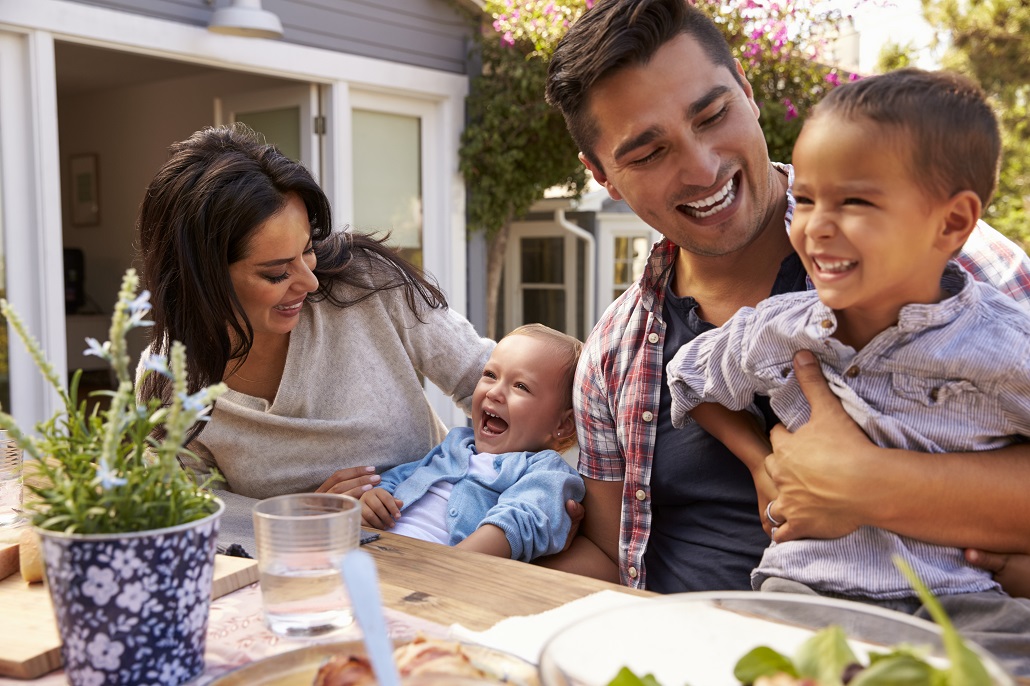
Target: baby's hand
(379,509)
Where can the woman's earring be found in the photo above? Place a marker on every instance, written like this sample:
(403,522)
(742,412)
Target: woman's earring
(558,434)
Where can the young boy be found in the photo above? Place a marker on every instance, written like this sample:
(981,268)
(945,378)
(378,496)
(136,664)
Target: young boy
(501,486)
(891,175)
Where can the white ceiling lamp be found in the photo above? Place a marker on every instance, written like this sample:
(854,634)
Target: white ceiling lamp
(246,18)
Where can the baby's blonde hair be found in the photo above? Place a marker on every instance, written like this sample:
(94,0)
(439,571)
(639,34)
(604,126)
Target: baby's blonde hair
(567,349)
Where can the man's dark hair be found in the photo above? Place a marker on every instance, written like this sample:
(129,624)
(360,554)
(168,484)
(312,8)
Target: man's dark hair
(952,130)
(613,35)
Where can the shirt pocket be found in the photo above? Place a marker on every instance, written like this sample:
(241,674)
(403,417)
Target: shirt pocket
(929,392)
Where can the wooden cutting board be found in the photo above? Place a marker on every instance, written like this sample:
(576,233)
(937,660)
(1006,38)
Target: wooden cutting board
(29,642)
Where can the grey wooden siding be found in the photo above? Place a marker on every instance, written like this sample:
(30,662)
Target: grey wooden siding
(427,33)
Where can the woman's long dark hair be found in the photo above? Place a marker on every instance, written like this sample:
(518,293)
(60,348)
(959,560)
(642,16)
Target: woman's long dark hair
(198,216)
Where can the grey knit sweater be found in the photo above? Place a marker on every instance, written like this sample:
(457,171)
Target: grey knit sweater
(350,395)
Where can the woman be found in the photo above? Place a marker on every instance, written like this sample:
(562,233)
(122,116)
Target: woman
(322,337)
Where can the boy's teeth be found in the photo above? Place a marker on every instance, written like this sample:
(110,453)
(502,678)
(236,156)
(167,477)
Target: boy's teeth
(835,266)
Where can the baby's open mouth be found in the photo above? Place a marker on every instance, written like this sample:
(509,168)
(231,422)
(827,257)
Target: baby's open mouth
(492,424)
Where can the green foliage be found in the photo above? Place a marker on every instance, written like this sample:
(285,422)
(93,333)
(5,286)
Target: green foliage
(514,146)
(990,41)
(894,56)
(101,471)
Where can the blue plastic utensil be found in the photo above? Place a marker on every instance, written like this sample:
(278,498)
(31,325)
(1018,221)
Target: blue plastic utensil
(359,574)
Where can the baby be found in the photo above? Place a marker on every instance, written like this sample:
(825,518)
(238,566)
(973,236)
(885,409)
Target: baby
(892,173)
(499,487)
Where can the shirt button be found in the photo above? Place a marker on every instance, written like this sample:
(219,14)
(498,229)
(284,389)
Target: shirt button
(632,572)
(652,338)
(647,416)
(826,324)
(852,372)
(453,512)
(641,495)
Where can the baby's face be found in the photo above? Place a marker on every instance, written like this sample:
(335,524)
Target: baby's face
(517,405)
(865,230)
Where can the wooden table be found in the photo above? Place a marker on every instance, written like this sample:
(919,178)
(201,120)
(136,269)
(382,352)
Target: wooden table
(447,585)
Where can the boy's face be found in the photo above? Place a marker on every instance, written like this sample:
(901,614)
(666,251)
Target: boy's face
(868,234)
(517,404)
(678,139)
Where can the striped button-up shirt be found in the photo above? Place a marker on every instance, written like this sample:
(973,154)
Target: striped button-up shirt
(618,381)
(952,376)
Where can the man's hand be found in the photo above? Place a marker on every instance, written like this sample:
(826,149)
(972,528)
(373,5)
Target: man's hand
(1012,571)
(815,468)
(576,512)
(379,509)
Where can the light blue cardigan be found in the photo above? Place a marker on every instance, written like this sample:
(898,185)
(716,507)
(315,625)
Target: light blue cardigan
(526,499)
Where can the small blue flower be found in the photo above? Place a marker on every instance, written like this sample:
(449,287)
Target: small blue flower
(139,309)
(108,480)
(159,364)
(98,349)
(196,403)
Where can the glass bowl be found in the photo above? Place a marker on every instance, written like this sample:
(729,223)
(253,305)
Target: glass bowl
(697,638)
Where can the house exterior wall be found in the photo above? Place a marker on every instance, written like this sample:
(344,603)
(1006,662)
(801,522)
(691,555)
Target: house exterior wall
(425,33)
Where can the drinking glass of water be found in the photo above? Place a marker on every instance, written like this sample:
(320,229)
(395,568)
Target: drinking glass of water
(301,540)
(10,481)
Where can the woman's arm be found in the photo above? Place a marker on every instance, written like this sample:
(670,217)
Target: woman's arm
(832,479)
(595,552)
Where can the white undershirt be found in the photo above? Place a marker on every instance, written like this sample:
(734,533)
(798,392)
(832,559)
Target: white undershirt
(426,518)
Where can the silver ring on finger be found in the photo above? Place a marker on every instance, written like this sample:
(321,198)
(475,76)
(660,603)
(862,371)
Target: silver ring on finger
(768,514)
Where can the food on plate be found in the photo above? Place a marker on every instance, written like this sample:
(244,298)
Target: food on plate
(30,556)
(420,657)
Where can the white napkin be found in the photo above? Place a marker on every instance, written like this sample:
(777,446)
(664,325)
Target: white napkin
(525,636)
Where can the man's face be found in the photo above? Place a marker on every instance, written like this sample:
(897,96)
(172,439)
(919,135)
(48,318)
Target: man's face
(679,140)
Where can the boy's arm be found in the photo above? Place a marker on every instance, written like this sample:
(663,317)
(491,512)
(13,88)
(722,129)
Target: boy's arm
(832,479)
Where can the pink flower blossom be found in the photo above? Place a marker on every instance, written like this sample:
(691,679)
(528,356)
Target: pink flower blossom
(833,79)
(792,112)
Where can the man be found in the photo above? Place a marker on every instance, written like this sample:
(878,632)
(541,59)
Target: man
(666,120)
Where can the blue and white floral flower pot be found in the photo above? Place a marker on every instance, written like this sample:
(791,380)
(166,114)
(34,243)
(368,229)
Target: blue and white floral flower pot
(132,608)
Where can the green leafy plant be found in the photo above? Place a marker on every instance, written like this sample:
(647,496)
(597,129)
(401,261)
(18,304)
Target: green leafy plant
(102,470)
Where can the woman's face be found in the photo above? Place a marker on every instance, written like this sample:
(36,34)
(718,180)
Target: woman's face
(275,275)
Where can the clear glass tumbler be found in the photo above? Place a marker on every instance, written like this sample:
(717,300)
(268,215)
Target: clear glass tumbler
(301,540)
(10,481)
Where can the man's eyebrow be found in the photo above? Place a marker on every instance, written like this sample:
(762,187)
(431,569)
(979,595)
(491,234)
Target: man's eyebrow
(641,139)
(650,134)
(702,103)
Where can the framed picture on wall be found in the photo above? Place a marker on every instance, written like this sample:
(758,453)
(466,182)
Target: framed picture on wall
(85,190)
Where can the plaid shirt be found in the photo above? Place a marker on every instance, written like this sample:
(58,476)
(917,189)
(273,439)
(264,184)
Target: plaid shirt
(618,381)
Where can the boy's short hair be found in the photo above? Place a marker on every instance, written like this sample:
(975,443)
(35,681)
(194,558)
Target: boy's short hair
(567,349)
(952,130)
(613,35)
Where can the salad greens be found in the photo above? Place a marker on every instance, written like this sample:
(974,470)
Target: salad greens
(826,659)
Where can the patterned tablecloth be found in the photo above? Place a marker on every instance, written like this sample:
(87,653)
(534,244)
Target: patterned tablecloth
(237,635)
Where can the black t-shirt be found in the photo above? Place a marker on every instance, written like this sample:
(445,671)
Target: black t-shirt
(705,529)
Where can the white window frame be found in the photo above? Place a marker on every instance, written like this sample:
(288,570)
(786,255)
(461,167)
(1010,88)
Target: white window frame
(30,168)
(609,227)
(513,286)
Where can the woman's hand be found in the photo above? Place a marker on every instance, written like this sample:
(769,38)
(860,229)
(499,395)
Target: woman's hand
(1012,571)
(818,470)
(352,481)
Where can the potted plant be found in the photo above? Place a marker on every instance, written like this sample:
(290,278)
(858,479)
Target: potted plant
(128,536)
